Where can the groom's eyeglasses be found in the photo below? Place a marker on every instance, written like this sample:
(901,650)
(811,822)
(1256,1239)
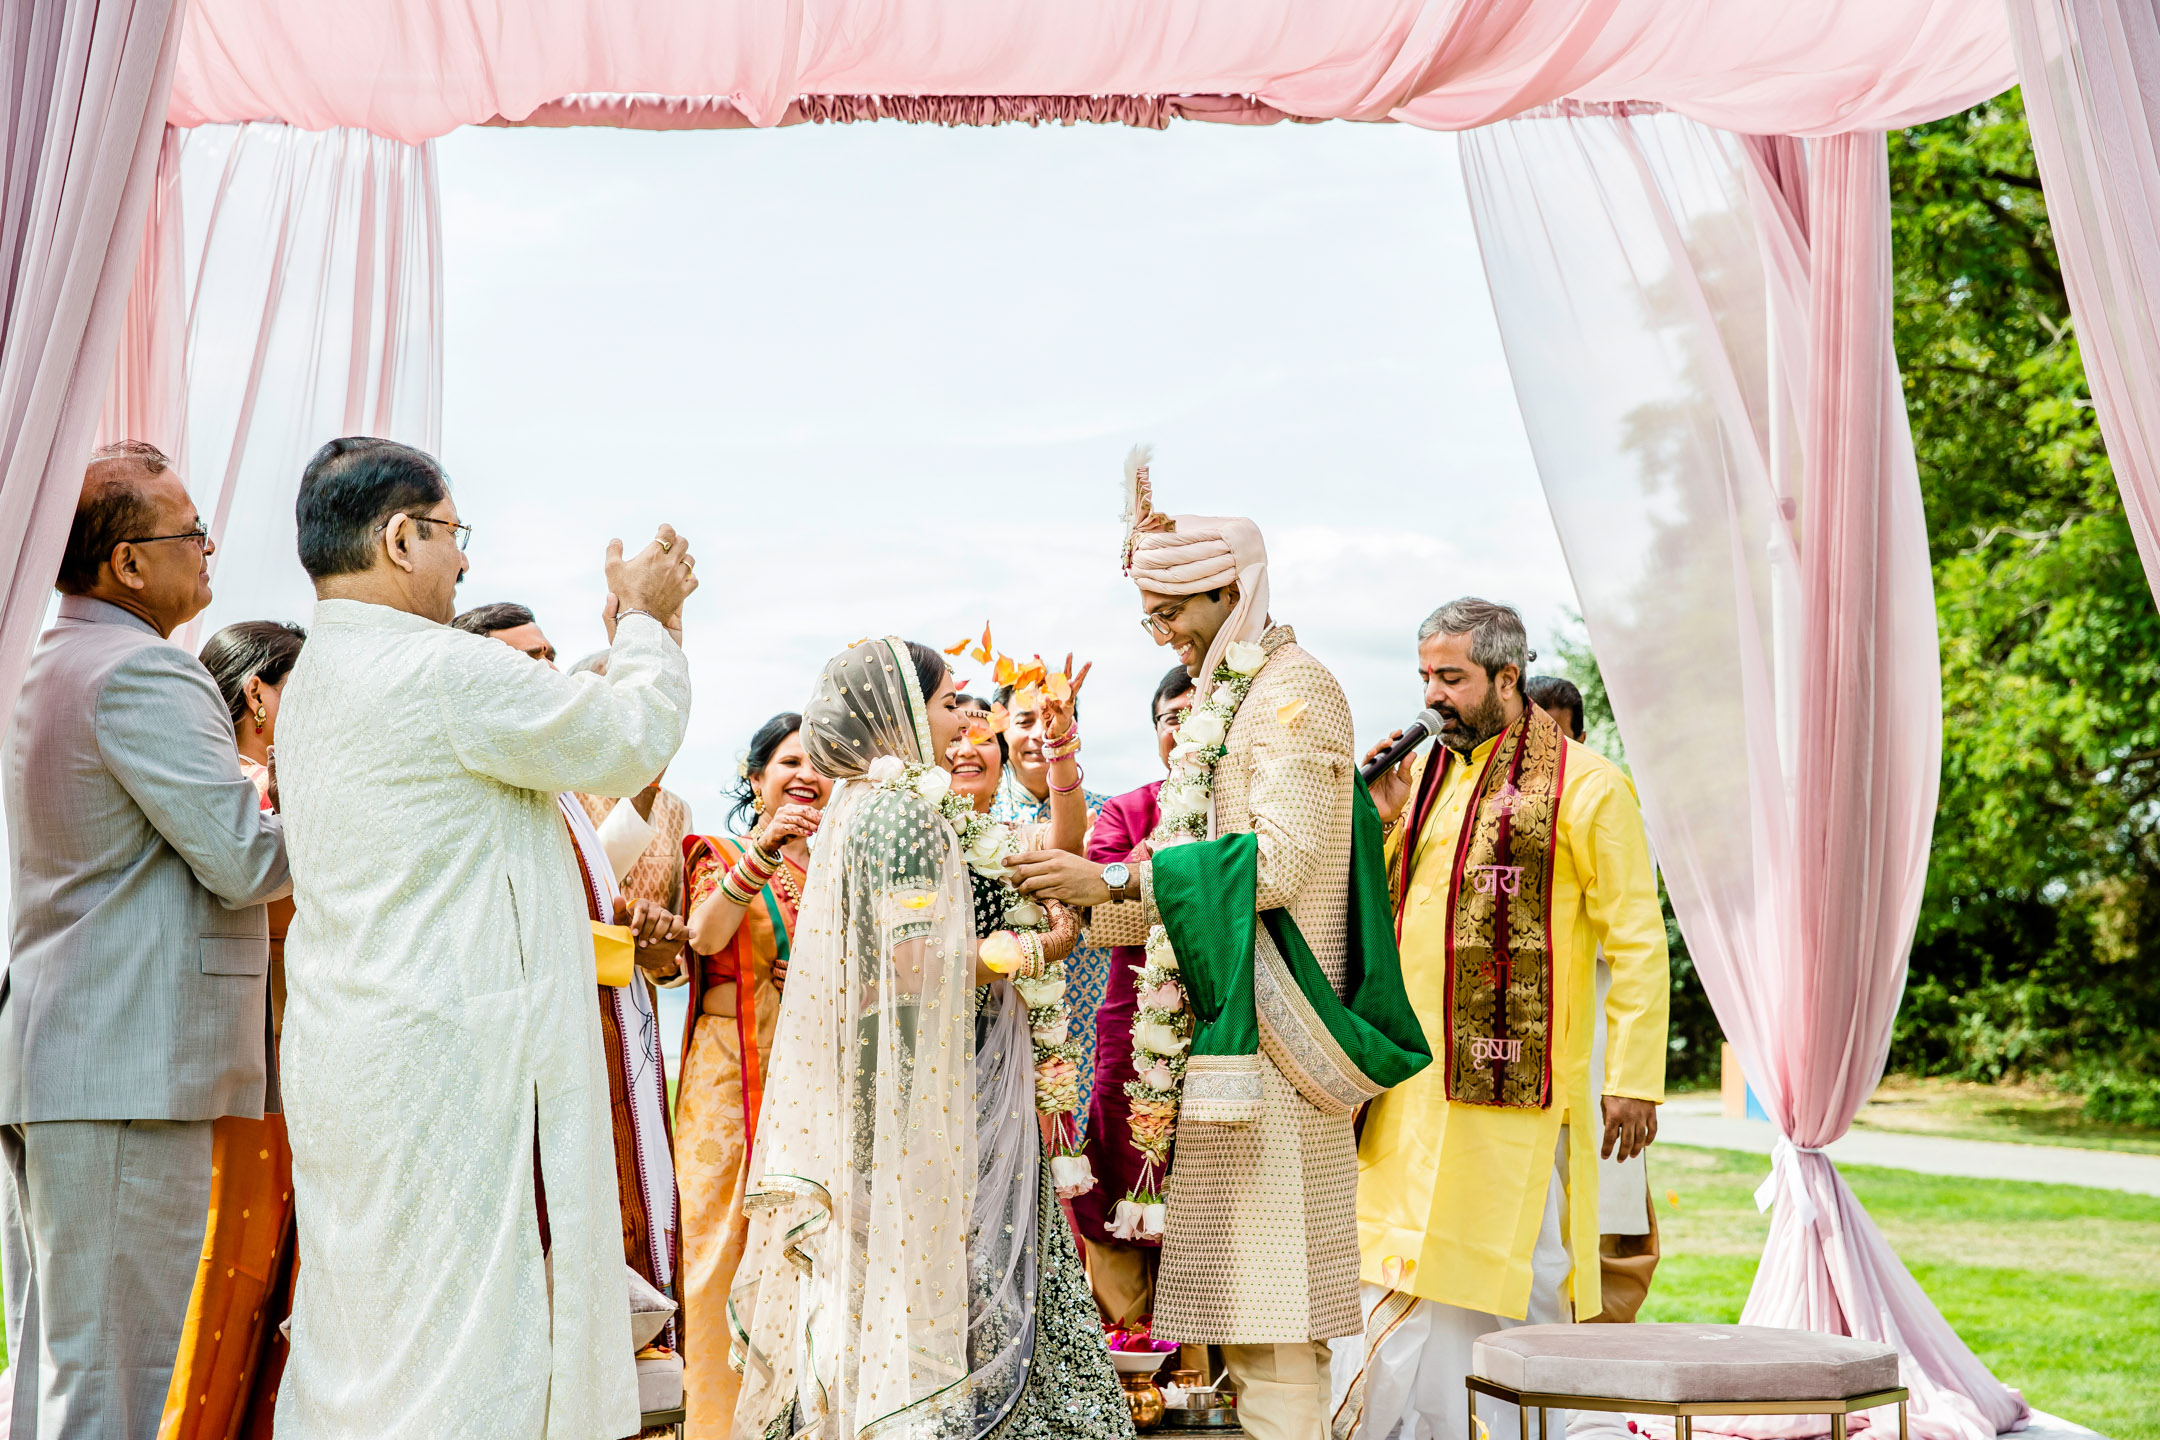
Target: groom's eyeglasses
(1157,622)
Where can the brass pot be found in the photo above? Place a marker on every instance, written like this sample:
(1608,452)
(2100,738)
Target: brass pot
(1146,1401)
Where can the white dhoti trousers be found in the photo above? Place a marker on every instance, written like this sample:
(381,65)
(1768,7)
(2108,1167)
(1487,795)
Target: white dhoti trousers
(1413,1387)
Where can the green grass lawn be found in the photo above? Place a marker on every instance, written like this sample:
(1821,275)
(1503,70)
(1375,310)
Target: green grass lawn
(2055,1287)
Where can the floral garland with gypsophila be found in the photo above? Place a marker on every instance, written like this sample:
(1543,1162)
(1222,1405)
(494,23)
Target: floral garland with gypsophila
(984,845)
(1162,1026)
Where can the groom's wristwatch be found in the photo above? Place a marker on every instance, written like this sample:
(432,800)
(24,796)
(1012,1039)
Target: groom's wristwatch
(1118,876)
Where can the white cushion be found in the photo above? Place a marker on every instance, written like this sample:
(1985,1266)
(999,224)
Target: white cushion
(659,1383)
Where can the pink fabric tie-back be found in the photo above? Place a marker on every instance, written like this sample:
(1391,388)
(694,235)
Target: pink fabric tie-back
(1698,329)
(415,69)
(2091,70)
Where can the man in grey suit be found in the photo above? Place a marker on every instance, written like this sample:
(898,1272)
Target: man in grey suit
(134,1009)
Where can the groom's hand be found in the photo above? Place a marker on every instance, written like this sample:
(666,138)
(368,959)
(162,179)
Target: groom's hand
(657,579)
(1056,875)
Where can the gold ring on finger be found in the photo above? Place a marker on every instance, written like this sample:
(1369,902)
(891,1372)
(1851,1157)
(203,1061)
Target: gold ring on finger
(667,545)
(689,562)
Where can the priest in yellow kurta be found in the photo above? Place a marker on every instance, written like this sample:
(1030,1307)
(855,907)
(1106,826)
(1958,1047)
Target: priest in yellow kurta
(1514,854)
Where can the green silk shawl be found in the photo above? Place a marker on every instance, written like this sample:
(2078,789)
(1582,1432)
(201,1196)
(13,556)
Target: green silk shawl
(1254,986)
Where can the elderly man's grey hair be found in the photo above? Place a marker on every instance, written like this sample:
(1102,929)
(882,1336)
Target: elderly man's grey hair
(595,662)
(1497,638)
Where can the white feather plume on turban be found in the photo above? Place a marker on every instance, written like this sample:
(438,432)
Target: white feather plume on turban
(1207,552)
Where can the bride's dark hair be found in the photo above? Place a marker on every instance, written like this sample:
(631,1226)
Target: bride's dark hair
(929,669)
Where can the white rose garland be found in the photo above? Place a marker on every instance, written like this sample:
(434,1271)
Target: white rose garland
(1202,741)
(1163,1022)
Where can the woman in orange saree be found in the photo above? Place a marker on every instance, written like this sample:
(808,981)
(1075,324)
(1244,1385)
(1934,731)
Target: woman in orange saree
(225,1378)
(743,892)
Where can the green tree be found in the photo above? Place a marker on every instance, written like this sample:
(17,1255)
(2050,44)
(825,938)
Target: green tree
(2036,946)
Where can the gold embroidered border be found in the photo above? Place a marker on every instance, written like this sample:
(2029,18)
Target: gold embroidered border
(1222,1089)
(1394,1308)
(1293,1035)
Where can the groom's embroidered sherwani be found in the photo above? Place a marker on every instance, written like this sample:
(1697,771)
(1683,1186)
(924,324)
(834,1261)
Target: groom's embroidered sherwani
(1261,1244)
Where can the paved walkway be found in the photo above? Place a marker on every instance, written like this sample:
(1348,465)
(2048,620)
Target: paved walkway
(1699,1120)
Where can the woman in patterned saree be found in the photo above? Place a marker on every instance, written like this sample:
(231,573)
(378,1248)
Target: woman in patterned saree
(743,893)
(231,1353)
(910,1274)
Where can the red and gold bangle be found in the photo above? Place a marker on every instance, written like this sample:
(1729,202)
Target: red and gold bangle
(749,875)
(1059,749)
(1079,779)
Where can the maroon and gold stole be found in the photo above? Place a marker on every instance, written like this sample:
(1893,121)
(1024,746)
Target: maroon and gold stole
(1498,1013)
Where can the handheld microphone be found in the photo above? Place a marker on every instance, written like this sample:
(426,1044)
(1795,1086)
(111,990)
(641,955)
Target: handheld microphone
(1428,722)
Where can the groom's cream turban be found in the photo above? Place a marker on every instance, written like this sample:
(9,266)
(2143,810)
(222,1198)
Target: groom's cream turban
(1195,554)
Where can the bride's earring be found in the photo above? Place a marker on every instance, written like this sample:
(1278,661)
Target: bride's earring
(757,803)
(262,715)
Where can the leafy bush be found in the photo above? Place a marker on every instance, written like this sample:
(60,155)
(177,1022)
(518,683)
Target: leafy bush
(2124,1100)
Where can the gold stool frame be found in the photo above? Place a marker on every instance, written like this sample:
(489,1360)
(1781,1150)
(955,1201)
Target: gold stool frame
(1683,1412)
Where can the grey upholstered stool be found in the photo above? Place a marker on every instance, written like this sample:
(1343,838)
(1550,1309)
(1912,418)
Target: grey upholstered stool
(1684,1371)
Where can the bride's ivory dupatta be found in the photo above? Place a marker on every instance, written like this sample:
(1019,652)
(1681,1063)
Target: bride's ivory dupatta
(861,1297)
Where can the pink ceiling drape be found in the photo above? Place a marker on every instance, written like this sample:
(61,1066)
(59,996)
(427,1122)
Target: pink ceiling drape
(2091,72)
(415,69)
(83,94)
(312,277)
(1698,327)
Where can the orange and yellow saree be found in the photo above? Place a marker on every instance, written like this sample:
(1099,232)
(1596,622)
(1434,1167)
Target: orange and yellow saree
(734,1005)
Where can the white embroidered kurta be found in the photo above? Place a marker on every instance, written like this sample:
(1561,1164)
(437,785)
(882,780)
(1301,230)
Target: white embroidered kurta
(439,1015)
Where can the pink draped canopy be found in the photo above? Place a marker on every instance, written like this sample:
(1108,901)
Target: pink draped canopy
(1709,284)
(415,69)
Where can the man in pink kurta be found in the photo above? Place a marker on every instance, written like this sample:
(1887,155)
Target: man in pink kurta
(1122,1269)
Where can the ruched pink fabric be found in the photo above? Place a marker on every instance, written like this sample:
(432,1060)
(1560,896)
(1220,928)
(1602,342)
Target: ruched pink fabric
(414,69)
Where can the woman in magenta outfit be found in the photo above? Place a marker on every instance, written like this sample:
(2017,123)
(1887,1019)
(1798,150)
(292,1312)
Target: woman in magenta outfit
(1122,1272)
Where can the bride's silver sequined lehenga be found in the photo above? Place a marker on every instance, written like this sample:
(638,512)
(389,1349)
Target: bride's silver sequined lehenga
(1071,1391)
(910,1274)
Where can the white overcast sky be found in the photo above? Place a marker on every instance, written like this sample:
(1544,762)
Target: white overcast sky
(884,377)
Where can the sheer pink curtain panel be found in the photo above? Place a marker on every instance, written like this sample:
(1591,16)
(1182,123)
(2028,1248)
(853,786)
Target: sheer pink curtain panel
(147,399)
(316,311)
(83,92)
(415,69)
(2091,73)
(1698,329)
